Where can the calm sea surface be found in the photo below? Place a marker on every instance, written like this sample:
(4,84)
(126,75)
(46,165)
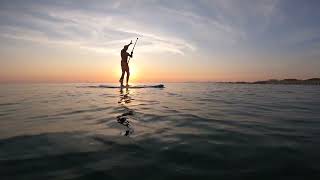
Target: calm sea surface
(184,131)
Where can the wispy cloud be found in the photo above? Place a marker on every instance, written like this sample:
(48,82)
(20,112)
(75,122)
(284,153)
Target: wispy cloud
(98,31)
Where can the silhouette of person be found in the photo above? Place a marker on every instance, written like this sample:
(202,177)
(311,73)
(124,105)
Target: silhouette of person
(124,63)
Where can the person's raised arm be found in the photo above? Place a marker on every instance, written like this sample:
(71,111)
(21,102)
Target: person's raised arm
(129,43)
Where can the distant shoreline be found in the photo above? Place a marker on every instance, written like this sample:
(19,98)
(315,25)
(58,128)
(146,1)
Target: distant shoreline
(312,81)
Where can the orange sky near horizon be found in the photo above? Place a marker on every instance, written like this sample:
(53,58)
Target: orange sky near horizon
(70,64)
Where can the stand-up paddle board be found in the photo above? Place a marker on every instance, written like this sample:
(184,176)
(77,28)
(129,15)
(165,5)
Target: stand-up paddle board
(130,87)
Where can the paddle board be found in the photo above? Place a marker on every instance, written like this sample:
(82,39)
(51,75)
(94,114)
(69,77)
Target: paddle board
(130,87)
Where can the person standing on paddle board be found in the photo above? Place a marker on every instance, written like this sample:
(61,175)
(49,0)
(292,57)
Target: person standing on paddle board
(124,63)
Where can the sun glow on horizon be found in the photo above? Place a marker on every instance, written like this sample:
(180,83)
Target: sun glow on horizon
(134,72)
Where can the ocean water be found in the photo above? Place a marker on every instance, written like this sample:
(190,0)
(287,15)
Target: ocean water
(183,131)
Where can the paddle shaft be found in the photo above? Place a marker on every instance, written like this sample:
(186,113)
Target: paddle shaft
(133,48)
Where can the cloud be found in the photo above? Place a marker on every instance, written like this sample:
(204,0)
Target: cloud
(98,31)
(177,27)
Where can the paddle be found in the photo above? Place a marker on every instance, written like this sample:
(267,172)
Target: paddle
(133,48)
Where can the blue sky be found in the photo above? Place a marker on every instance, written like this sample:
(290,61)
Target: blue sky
(198,40)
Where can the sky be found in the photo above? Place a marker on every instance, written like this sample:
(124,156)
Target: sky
(179,40)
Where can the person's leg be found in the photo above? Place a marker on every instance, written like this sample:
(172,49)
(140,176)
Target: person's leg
(121,78)
(128,76)
(123,69)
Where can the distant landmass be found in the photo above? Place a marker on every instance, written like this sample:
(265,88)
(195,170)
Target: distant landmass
(312,81)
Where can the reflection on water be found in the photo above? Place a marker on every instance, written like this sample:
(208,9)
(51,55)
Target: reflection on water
(123,119)
(124,97)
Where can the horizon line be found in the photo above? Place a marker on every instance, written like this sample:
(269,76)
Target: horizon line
(71,82)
